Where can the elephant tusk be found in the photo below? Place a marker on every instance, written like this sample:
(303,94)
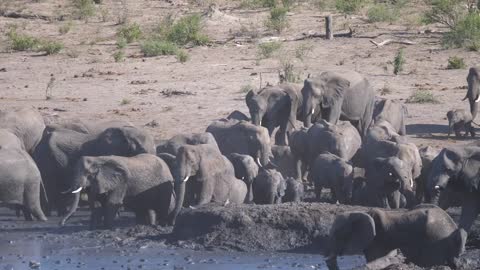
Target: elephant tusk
(437,187)
(411,182)
(313,111)
(243,178)
(66,191)
(186,178)
(77,190)
(260,122)
(258,162)
(478,99)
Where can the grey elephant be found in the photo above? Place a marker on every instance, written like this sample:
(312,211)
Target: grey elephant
(426,236)
(20,179)
(330,171)
(275,106)
(473,92)
(213,174)
(459,120)
(142,183)
(333,96)
(294,191)
(243,138)
(245,169)
(427,154)
(88,127)
(284,160)
(172,145)
(59,150)
(457,169)
(27,124)
(269,187)
(238,115)
(392,111)
(382,130)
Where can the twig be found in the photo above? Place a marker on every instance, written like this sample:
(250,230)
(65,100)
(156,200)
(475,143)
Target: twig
(389,41)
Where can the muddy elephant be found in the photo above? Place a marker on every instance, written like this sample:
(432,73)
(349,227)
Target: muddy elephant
(335,173)
(245,169)
(269,187)
(87,127)
(241,137)
(457,169)
(238,115)
(382,130)
(426,235)
(459,120)
(172,145)
(27,124)
(334,96)
(60,149)
(294,191)
(392,111)
(20,179)
(473,92)
(142,183)
(275,106)
(213,174)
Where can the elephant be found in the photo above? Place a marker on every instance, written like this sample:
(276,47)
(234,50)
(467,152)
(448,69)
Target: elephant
(382,130)
(214,177)
(335,173)
(27,124)
(459,120)
(392,111)
(88,127)
(143,183)
(275,106)
(238,115)
(241,137)
(427,154)
(342,95)
(384,185)
(426,235)
(457,169)
(284,160)
(59,150)
(172,145)
(245,169)
(473,92)
(294,191)
(269,187)
(20,180)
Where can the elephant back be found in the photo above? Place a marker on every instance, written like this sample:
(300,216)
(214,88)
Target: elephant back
(27,124)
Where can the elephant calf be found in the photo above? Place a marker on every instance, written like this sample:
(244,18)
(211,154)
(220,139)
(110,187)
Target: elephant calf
(459,120)
(426,235)
(269,187)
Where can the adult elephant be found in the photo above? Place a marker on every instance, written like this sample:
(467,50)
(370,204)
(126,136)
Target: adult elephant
(27,124)
(172,145)
(88,127)
(243,138)
(275,106)
(335,96)
(214,177)
(20,179)
(457,169)
(392,111)
(473,92)
(142,183)
(245,169)
(426,236)
(60,149)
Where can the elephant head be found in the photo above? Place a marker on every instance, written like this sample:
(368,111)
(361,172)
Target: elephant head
(473,93)
(257,105)
(324,92)
(124,141)
(245,169)
(258,143)
(456,168)
(101,174)
(453,118)
(350,233)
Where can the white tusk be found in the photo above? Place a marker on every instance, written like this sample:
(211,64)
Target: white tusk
(313,111)
(186,178)
(258,162)
(243,178)
(437,187)
(478,99)
(411,182)
(77,190)
(260,122)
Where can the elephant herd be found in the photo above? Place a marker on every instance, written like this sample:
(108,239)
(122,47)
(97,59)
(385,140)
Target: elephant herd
(332,133)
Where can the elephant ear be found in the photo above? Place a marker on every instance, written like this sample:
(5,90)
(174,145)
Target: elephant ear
(355,230)
(471,173)
(109,176)
(251,94)
(334,88)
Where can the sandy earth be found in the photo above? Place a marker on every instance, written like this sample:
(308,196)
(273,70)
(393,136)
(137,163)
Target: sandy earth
(89,84)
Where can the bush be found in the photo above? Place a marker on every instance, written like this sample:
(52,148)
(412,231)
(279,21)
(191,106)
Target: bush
(349,6)
(266,50)
(382,13)
(121,43)
(51,47)
(456,63)
(288,73)
(130,33)
(187,30)
(465,33)
(155,47)
(119,56)
(21,42)
(258,4)
(278,20)
(422,96)
(446,12)
(84,8)
(398,62)
(182,56)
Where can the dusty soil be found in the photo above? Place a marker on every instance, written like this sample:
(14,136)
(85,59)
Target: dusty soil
(87,83)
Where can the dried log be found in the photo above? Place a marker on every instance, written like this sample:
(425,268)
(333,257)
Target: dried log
(390,41)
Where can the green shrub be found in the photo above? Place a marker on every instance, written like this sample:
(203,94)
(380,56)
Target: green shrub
(455,62)
(22,42)
(119,56)
(446,12)
(349,6)
(187,30)
(266,49)
(277,20)
(130,32)
(382,13)
(121,43)
(182,56)
(51,47)
(288,73)
(465,33)
(251,4)
(398,62)
(84,8)
(154,47)
(422,96)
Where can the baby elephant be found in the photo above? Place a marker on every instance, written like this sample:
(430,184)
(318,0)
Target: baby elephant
(459,120)
(269,187)
(426,236)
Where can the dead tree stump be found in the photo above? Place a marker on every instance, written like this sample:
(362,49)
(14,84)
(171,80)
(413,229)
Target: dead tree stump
(329,27)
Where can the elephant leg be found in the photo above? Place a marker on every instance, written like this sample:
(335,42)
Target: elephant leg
(299,169)
(470,209)
(335,112)
(375,251)
(473,107)
(205,193)
(318,192)
(110,213)
(96,216)
(151,217)
(282,135)
(27,214)
(139,217)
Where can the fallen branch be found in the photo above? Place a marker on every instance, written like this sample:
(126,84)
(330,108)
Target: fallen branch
(349,34)
(389,41)
(16,15)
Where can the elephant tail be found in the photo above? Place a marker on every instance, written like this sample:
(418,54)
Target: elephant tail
(43,192)
(466,96)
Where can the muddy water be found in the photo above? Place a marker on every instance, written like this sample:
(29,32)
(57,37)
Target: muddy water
(33,245)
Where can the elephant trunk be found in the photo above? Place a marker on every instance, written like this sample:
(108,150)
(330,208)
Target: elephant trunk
(256,119)
(450,127)
(73,208)
(180,196)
